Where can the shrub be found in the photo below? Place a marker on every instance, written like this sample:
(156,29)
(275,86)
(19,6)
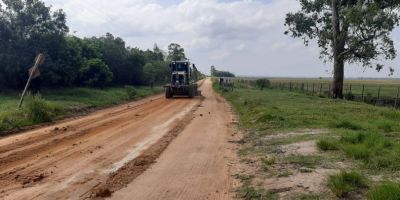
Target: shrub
(327,145)
(95,73)
(345,182)
(349,96)
(131,92)
(387,191)
(263,83)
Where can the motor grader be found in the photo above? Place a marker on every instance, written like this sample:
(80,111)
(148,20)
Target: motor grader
(183,80)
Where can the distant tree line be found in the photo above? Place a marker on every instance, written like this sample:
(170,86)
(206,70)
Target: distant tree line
(217,73)
(29,27)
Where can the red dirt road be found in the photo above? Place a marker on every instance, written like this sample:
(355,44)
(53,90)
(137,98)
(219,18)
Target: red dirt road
(93,156)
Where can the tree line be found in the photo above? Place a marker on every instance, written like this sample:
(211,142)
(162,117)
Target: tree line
(29,27)
(218,73)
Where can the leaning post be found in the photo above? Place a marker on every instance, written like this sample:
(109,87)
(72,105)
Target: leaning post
(38,61)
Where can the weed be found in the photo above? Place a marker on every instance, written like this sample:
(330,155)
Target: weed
(131,92)
(306,197)
(269,161)
(285,173)
(347,124)
(251,193)
(305,161)
(328,144)
(39,110)
(346,182)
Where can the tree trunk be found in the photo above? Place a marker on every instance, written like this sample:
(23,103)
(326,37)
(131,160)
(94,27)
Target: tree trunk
(338,48)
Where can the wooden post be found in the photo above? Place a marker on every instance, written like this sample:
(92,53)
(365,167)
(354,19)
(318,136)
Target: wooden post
(307,88)
(290,86)
(313,89)
(350,88)
(329,91)
(320,90)
(397,97)
(362,93)
(38,60)
(379,95)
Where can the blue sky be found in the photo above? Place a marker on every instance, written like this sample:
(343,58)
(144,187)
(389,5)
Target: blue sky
(245,37)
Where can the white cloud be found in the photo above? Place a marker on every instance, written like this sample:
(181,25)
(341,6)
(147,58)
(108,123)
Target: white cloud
(245,36)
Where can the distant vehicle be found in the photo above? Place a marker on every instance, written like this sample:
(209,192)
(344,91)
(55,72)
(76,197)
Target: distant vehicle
(183,80)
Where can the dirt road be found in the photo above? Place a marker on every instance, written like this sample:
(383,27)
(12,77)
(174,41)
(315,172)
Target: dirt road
(111,151)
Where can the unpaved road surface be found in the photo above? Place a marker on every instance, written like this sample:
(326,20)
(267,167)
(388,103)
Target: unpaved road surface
(150,149)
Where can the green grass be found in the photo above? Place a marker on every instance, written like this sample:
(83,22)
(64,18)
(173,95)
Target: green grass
(386,191)
(365,136)
(57,103)
(328,144)
(305,161)
(345,182)
(251,193)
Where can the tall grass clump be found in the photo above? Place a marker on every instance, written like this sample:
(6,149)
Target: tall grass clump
(39,110)
(131,92)
(386,191)
(346,182)
(346,124)
(376,151)
(328,144)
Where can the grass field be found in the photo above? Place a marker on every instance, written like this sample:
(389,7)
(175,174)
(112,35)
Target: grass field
(358,144)
(387,87)
(63,102)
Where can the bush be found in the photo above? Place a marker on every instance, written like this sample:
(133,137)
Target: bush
(263,83)
(131,92)
(95,73)
(38,110)
(345,182)
(349,96)
(387,191)
(327,145)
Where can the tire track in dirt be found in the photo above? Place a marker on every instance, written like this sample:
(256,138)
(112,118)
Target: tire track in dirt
(67,160)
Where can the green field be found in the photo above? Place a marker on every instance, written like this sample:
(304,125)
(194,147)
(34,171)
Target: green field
(359,140)
(388,87)
(61,103)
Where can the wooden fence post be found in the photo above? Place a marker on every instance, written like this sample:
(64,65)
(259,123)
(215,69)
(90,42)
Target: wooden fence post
(329,91)
(350,88)
(397,97)
(320,90)
(362,93)
(313,90)
(290,86)
(379,95)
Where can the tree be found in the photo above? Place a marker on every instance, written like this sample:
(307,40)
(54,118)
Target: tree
(263,83)
(95,73)
(27,28)
(176,53)
(348,31)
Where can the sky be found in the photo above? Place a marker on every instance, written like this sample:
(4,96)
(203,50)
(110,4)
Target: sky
(242,36)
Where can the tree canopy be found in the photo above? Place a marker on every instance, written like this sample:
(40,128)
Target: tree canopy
(176,53)
(217,73)
(29,27)
(347,31)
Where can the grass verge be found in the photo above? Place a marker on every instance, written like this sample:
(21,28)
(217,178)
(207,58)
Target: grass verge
(54,104)
(365,137)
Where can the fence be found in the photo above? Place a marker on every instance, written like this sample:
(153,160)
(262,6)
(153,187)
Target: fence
(381,95)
